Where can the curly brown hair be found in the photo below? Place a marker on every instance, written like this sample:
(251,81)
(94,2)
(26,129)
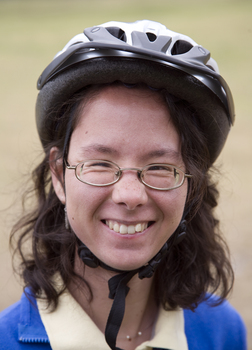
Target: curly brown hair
(197,266)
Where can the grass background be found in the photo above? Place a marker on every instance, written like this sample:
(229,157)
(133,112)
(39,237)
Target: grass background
(31,32)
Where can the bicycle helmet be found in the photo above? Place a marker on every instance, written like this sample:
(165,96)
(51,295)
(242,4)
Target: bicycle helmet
(140,52)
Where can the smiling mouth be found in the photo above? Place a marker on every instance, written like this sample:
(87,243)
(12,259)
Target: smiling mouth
(127,229)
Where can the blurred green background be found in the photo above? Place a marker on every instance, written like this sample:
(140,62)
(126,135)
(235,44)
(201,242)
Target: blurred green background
(32,32)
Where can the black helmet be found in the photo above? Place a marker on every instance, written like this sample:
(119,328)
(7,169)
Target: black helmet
(140,52)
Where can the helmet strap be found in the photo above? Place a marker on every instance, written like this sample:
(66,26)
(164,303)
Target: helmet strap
(118,288)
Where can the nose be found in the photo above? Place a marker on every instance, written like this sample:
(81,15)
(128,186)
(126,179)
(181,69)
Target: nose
(129,191)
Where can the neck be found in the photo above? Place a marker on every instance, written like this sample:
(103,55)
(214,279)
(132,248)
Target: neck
(140,310)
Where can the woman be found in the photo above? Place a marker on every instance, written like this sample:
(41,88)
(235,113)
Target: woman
(125,248)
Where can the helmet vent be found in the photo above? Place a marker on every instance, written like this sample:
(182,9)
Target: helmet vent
(151,36)
(180,47)
(117,33)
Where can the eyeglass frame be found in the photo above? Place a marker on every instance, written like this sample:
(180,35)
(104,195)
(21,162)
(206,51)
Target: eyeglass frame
(120,170)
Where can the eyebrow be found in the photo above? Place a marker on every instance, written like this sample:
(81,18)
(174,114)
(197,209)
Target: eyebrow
(171,153)
(97,147)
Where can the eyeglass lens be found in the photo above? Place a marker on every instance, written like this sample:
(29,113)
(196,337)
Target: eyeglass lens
(99,172)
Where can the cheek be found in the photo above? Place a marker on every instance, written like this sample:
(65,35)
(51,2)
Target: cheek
(172,204)
(83,201)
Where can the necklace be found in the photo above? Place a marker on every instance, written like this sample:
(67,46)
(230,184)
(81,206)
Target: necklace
(128,337)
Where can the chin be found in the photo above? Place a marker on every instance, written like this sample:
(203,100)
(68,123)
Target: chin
(126,263)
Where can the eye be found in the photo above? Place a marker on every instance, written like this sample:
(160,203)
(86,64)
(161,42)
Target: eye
(97,172)
(98,167)
(161,168)
(99,164)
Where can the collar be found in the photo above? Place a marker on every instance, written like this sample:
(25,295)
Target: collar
(69,327)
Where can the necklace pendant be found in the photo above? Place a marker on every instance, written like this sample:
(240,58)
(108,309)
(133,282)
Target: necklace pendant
(128,337)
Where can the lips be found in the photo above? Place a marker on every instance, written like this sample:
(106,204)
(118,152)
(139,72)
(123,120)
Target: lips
(126,229)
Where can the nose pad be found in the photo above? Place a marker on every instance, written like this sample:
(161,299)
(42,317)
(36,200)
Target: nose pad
(130,191)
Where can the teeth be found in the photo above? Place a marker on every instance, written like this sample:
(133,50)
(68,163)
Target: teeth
(116,227)
(131,230)
(124,229)
(138,227)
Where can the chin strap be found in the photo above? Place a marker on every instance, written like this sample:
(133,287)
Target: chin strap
(118,288)
(118,291)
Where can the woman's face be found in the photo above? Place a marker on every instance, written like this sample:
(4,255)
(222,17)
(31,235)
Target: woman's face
(131,127)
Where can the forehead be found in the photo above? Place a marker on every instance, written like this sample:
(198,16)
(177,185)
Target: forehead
(120,93)
(117,101)
(125,119)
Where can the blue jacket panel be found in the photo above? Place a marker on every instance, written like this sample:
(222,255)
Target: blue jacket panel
(208,328)
(21,327)
(215,328)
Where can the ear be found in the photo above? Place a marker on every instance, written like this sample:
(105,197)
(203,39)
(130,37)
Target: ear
(56,167)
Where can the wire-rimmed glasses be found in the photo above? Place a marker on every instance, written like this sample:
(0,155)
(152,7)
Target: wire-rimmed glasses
(159,176)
